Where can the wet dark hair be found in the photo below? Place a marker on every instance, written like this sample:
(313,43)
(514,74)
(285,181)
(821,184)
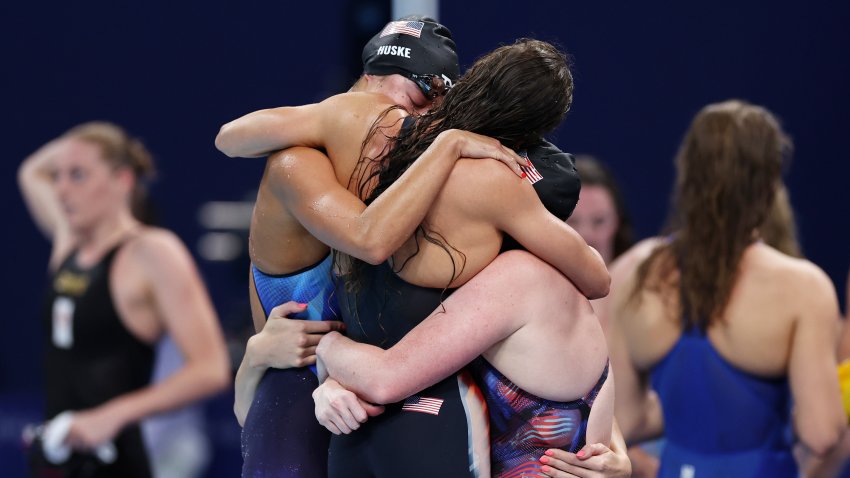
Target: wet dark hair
(516,94)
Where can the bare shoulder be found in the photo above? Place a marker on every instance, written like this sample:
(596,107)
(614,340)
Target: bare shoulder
(359,104)
(279,162)
(796,271)
(486,174)
(485,186)
(155,246)
(800,281)
(628,262)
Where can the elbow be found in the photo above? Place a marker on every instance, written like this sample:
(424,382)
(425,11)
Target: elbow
(600,290)
(380,388)
(822,440)
(381,393)
(374,250)
(224,142)
(240,414)
(376,254)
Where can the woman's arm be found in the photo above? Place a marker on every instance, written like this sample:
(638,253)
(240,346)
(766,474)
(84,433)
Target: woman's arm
(178,295)
(513,206)
(304,180)
(593,460)
(261,132)
(484,311)
(317,125)
(35,182)
(819,418)
(282,343)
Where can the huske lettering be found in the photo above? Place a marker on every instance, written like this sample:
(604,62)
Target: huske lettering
(394,50)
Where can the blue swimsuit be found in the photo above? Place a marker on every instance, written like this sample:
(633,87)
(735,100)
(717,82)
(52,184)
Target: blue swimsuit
(719,420)
(281,437)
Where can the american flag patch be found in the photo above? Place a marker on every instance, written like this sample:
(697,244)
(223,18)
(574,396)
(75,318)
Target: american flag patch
(412,28)
(423,405)
(530,171)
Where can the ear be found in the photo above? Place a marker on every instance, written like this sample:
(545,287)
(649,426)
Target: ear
(126,178)
(373,81)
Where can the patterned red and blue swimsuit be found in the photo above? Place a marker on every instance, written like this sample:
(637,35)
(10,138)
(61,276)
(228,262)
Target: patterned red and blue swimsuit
(523,425)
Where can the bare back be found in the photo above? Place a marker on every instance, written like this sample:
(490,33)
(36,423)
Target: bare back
(557,349)
(756,330)
(781,320)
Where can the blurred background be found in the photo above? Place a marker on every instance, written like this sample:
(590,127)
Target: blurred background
(173,72)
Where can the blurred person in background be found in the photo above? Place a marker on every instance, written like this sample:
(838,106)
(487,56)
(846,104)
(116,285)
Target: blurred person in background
(603,221)
(600,215)
(728,330)
(116,287)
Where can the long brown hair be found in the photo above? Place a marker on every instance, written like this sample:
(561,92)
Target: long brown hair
(729,166)
(780,228)
(120,150)
(516,94)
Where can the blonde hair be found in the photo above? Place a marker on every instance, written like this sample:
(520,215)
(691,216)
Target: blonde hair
(120,150)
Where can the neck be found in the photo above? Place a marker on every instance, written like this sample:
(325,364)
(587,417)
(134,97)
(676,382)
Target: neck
(104,234)
(362,84)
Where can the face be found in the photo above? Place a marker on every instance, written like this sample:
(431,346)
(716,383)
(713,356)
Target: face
(595,218)
(401,91)
(88,188)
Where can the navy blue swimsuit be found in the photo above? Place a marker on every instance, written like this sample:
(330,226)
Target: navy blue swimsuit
(427,435)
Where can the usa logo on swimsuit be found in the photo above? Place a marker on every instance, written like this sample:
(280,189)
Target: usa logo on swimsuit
(423,405)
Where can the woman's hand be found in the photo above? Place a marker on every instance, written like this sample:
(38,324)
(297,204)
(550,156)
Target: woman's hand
(285,343)
(593,461)
(94,427)
(340,410)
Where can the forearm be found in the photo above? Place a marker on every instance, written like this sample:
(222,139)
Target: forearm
(245,386)
(35,184)
(192,382)
(259,133)
(373,371)
(392,218)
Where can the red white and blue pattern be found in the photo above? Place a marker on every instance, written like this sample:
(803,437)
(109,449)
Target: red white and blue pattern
(423,404)
(531,173)
(523,426)
(412,28)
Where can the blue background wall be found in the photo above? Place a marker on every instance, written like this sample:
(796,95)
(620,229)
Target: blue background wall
(173,72)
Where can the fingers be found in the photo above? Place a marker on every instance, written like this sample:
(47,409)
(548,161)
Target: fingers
(330,419)
(322,326)
(371,409)
(595,460)
(484,147)
(330,426)
(592,449)
(512,161)
(286,309)
(555,467)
